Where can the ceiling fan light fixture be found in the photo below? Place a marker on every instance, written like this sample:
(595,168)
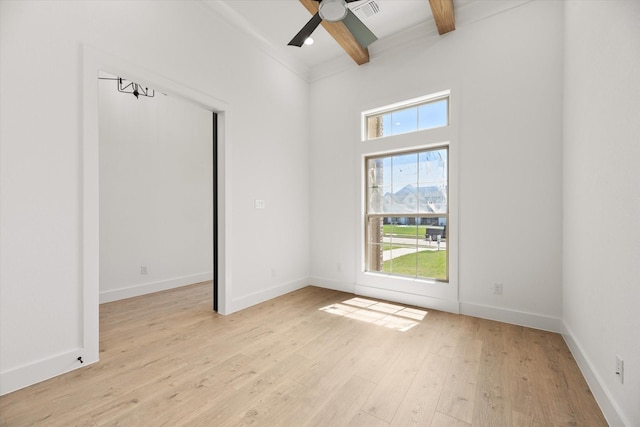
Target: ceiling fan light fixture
(333,10)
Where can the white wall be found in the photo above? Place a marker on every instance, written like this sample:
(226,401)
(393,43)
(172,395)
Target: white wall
(156,193)
(506,78)
(601,200)
(43,49)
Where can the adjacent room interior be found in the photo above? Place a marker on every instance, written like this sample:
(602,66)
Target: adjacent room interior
(156,191)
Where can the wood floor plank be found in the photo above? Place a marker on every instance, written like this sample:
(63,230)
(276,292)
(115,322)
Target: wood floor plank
(244,404)
(524,420)
(339,335)
(344,404)
(381,403)
(523,380)
(459,391)
(273,408)
(322,380)
(444,344)
(493,393)
(363,419)
(442,420)
(419,404)
(311,357)
(374,358)
(184,401)
(559,378)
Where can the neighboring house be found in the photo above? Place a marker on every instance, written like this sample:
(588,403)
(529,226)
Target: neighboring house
(407,199)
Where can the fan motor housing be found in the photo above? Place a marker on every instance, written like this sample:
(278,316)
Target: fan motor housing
(333,10)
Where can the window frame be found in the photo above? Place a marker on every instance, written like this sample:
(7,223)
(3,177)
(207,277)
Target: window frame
(410,290)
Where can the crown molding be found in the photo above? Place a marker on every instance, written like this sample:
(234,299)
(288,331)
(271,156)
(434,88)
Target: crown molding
(278,53)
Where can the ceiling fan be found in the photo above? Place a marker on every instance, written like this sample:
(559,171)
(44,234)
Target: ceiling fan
(334,11)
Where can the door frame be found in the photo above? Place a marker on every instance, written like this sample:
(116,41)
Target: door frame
(93,61)
(214,124)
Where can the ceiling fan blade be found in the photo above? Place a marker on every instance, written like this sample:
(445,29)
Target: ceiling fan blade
(363,35)
(306,31)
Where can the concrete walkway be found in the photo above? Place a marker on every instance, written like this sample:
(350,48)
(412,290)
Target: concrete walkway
(395,253)
(423,245)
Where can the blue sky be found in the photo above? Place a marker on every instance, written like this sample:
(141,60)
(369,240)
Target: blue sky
(426,116)
(418,169)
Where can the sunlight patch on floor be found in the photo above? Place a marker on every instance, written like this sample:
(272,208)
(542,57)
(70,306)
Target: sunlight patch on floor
(391,316)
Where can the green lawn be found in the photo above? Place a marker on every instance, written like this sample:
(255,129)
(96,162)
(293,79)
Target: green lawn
(389,246)
(430,264)
(405,230)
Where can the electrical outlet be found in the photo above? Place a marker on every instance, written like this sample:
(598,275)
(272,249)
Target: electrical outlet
(497,288)
(620,368)
(259,204)
(144,269)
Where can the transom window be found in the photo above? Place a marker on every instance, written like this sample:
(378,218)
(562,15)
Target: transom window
(407,213)
(410,116)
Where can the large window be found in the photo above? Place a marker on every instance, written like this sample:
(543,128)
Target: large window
(407,213)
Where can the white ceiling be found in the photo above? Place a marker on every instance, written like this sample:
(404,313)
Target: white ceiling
(275,22)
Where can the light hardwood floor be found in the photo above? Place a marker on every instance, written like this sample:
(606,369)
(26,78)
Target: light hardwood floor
(312,357)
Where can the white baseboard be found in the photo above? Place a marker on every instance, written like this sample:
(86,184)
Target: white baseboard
(149,288)
(424,301)
(246,301)
(41,370)
(531,320)
(333,284)
(521,318)
(387,295)
(609,407)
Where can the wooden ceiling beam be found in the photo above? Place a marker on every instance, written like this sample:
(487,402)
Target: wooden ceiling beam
(442,11)
(341,34)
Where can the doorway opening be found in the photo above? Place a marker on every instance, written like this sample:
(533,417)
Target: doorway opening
(157,186)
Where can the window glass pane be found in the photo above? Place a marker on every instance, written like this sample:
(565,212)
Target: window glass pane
(379,126)
(433,114)
(399,240)
(374,243)
(375,185)
(429,115)
(409,246)
(403,196)
(387,129)
(408,183)
(375,128)
(404,121)
(431,258)
(432,181)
